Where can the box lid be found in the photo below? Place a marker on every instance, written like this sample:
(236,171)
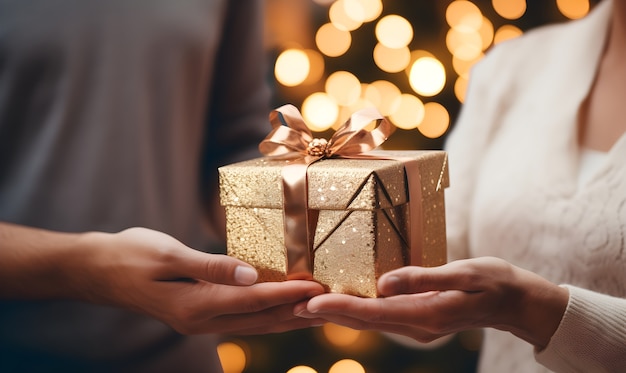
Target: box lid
(340,184)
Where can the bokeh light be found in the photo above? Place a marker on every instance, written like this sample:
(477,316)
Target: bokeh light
(506,32)
(347,366)
(340,335)
(332,41)
(464,42)
(463,67)
(388,94)
(316,66)
(391,60)
(232,357)
(320,111)
(427,76)
(371,8)
(292,67)
(394,31)
(436,120)
(371,95)
(573,9)
(408,113)
(344,87)
(301,369)
(486,32)
(345,15)
(509,9)
(460,88)
(462,12)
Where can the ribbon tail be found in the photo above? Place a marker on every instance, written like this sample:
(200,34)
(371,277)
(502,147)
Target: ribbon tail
(414,231)
(295,215)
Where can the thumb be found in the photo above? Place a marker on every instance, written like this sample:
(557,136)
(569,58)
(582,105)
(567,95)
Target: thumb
(217,268)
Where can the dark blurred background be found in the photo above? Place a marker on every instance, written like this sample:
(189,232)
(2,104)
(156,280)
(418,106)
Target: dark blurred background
(411,59)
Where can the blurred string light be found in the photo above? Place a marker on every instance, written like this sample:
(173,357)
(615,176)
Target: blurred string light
(346,15)
(332,41)
(509,9)
(344,87)
(316,66)
(340,336)
(301,369)
(427,76)
(408,113)
(232,357)
(394,31)
(469,36)
(292,67)
(436,120)
(347,366)
(391,60)
(320,111)
(371,8)
(573,9)
(506,32)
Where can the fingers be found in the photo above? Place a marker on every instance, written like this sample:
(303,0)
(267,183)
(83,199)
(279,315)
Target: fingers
(359,323)
(202,307)
(434,312)
(214,268)
(261,296)
(336,307)
(169,259)
(459,275)
(273,320)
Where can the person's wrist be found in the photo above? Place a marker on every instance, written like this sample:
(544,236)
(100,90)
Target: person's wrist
(82,263)
(541,311)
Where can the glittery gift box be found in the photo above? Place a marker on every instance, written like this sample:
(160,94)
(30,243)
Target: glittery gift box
(359,213)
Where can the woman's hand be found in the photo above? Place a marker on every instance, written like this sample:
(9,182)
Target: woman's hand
(427,303)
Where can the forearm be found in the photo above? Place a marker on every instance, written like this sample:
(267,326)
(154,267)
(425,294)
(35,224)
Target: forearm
(37,263)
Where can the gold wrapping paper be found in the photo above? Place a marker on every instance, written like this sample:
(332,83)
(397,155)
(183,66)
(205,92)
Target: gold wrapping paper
(359,210)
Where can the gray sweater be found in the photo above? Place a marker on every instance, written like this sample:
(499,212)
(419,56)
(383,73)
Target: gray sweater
(116,114)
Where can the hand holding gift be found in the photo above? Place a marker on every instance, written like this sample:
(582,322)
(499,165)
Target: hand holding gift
(192,291)
(428,303)
(152,273)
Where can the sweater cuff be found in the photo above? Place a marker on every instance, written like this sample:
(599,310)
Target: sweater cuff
(591,336)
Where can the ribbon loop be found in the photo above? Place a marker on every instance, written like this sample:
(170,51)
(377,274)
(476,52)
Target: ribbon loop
(353,137)
(290,136)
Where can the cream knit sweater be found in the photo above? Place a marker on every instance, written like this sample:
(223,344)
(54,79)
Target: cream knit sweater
(514,165)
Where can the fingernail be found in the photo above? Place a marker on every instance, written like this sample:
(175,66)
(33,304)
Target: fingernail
(304,313)
(245,275)
(314,293)
(391,285)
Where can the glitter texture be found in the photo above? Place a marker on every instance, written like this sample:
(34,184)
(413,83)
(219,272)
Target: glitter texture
(359,208)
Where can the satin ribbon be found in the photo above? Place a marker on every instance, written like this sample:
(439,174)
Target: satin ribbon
(292,140)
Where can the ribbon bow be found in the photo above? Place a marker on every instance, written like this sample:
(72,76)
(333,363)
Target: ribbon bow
(291,140)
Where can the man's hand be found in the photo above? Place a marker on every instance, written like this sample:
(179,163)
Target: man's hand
(152,273)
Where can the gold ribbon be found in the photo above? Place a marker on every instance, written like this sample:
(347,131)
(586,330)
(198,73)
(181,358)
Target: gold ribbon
(292,140)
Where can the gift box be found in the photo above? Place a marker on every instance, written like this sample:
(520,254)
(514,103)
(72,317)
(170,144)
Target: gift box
(361,217)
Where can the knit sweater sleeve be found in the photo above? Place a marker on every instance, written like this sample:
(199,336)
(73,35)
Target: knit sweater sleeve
(591,336)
